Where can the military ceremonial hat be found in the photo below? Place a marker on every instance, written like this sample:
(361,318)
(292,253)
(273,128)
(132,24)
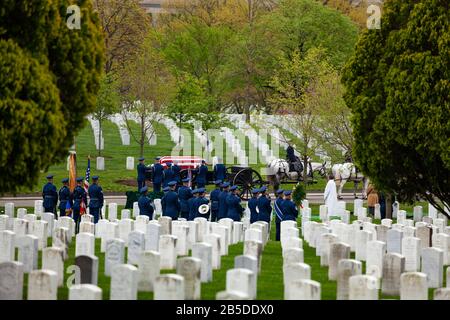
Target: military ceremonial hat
(287,192)
(65,180)
(217,182)
(172,183)
(279,191)
(50,176)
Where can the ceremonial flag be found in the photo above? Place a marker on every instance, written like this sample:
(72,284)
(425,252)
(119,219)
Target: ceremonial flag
(72,171)
(88,175)
(68,208)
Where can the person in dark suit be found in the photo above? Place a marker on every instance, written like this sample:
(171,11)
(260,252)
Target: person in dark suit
(234,208)
(290,211)
(79,196)
(184,194)
(264,206)
(170,203)
(95,199)
(145,204)
(157,175)
(202,174)
(192,204)
(278,212)
(141,173)
(176,172)
(64,197)
(168,175)
(50,196)
(252,204)
(214,197)
(220,171)
(223,209)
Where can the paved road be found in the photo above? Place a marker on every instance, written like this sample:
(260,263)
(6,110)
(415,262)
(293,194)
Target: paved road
(314,198)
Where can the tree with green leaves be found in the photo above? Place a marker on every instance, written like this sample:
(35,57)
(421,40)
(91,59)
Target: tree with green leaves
(108,102)
(398,89)
(49,78)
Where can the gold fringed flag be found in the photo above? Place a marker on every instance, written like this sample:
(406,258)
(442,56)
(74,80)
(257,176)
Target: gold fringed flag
(72,170)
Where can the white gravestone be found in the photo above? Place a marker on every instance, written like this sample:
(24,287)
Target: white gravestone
(112,211)
(166,224)
(190,269)
(325,242)
(169,287)
(42,285)
(203,251)
(50,219)
(238,232)
(168,251)
(424,233)
(85,244)
(393,267)
(442,241)
(362,238)
(433,266)
(241,280)
(111,231)
(442,294)
(376,251)
(125,214)
(85,292)
(124,282)
(181,231)
(7,246)
(60,240)
(100,163)
(115,254)
(130,163)
(202,228)
(214,240)
(293,255)
(294,271)
(413,286)
(363,287)
(303,289)
(52,259)
(149,269)
(28,253)
(394,241)
(254,249)
(87,227)
(338,251)
(136,245)
(39,228)
(11,280)
(222,231)
(136,211)
(411,252)
(125,227)
(140,224)
(346,269)
(152,234)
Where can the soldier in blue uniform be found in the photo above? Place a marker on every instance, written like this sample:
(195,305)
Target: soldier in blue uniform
(191,204)
(199,201)
(79,195)
(176,172)
(141,173)
(95,199)
(214,197)
(264,206)
(170,204)
(202,174)
(220,171)
(145,204)
(223,209)
(234,208)
(184,194)
(157,175)
(278,205)
(252,204)
(290,211)
(50,196)
(168,175)
(64,197)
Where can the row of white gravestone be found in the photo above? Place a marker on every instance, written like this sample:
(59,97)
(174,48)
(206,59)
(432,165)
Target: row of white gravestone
(98,134)
(235,146)
(119,121)
(148,127)
(381,246)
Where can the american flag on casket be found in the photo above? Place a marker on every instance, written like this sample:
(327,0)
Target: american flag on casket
(184,162)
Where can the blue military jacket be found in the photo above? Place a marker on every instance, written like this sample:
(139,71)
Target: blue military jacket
(141,171)
(64,196)
(184,194)
(252,204)
(202,174)
(145,206)
(195,205)
(176,172)
(170,204)
(214,197)
(95,196)
(223,207)
(265,209)
(234,207)
(278,206)
(220,172)
(157,173)
(49,195)
(78,194)
(191,204)
(289,209)
(168,176)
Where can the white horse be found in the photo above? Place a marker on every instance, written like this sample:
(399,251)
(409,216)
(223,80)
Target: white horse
(344,172)
(279,170)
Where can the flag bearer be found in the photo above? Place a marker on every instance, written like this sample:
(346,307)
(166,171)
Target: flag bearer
(95,198)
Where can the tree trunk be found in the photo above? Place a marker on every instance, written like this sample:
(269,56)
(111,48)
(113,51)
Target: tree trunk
(142,142)
(305,170)
(388,206)
(100,136)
